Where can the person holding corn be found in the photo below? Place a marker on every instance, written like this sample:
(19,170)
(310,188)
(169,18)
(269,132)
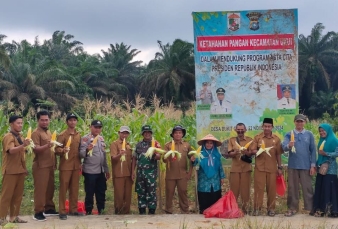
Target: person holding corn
(240,172)
(300,144)
(121,153)
(146,177)
(14,171)
(95,168)
(69,167)
(325,199)
(178,170)
(210,173)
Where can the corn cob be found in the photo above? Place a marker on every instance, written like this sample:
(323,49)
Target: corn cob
(68,146)
(54,143)
(198,155)
(31,145)
(90,152)
(321,147)
(292,139)
(123,157)
(151,150)
(263,149)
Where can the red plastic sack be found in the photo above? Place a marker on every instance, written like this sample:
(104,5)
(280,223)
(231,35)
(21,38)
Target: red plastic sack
(80,207)
(226,207)
(280,185)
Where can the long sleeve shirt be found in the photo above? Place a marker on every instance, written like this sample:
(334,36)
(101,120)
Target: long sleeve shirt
(332,162)
(305,146)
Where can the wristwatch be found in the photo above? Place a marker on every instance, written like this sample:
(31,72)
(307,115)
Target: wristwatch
(280,167)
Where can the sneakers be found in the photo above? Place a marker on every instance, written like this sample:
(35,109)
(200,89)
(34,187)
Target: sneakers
(75,214)
(39,217)
(63,216)
(50,212)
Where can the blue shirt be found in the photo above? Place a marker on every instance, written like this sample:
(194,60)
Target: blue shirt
(204,183)
(305,156)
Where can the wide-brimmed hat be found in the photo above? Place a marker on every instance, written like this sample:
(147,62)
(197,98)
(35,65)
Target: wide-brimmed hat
(210,137)
(178,127)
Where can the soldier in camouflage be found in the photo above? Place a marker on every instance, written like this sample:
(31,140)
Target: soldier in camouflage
(146,174)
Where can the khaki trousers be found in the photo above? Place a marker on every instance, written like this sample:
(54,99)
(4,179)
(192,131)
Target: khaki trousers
(11,194)
(302,177)
(69,181)
(240,185)
(182,189)
(264,180)
(43,188)
(122,194)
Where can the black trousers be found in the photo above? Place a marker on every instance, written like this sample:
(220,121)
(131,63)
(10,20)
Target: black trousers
(206,199)
(95,184)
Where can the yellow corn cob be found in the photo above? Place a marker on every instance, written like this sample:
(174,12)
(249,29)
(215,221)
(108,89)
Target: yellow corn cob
(69,141)
(54,136)
(29,133)
(292,136)
(52,141)
(90,152)
(124,144)
(321,147)
(263,145)
(247,145)
(172,145)
(153,142)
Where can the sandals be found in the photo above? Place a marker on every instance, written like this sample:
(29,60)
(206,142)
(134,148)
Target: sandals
(3,222)
(18,220)
(271,213)
(290,213)
(319,214)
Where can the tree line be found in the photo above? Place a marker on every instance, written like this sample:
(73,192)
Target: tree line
(57,73)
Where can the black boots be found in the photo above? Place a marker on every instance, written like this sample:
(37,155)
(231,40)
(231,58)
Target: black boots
(142,211)
(151,211)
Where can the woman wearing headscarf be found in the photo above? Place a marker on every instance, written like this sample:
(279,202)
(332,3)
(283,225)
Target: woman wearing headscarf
(210,172)
(325,200)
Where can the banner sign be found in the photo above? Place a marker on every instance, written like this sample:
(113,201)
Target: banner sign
(246,66)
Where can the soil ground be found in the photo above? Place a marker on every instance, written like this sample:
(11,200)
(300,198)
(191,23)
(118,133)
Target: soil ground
(178,221)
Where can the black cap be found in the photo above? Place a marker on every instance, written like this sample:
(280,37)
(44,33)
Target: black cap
(146,128)
(13,118)
(178,127)
(96,123)
(268,120)
(71,115)
(220,90)
(286,88)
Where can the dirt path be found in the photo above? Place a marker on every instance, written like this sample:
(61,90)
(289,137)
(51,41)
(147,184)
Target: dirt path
(178,221)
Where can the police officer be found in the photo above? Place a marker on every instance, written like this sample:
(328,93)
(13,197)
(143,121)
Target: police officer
(205,95)
(220,106)
(146,177)
(95,168)
(286,102)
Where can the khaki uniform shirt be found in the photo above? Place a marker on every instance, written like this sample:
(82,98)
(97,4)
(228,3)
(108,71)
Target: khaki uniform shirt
(178,169)
(44,159)
(12,163)
(237,165)
(73,162)
(125,170)
(264,162)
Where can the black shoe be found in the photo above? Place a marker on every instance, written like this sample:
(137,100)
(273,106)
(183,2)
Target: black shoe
(151,211)
(63,216)
(75,214)
(89,213)
(142,211)
(50,212)
(39,217)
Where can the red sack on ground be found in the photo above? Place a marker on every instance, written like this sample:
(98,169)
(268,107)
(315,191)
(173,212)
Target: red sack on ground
(226,207)
(280,185)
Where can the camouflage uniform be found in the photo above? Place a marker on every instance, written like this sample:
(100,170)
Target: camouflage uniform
(146,176)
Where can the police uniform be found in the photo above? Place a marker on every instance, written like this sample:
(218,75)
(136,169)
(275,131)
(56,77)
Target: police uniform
(14,171)
(220,106)
(146,176)
(43,172)
(176,176)
(94,169)
(205,95)
(266,170)
(286,103)
(69,171)
(121,178)
(240,173)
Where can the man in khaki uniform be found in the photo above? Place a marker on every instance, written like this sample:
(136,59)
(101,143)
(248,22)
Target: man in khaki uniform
(69,167)
(266,167)
(43,169)
(14,171)
(177,172)
(240,173)
(122,179)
